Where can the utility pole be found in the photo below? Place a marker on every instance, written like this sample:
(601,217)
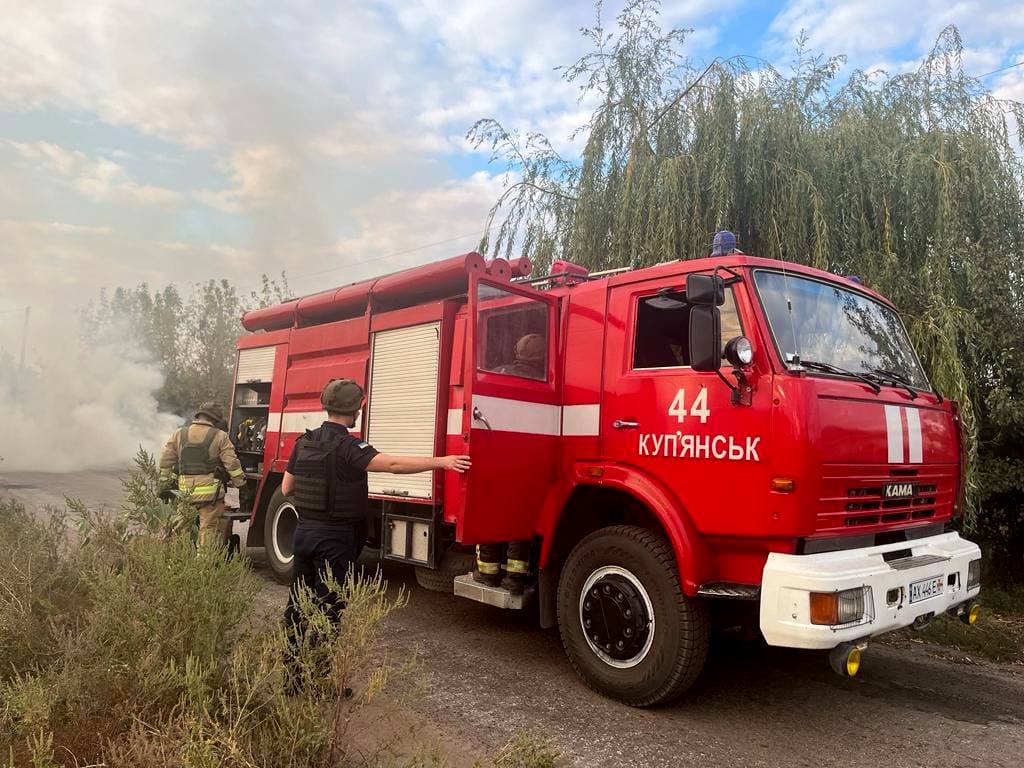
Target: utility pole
(24,340)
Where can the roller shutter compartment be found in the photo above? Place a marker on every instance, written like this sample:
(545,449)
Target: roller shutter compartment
(403,404)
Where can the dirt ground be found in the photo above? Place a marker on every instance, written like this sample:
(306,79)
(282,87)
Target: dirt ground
(493,673)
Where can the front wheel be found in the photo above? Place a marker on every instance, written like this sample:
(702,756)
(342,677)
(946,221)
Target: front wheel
(279,536)
(626,625)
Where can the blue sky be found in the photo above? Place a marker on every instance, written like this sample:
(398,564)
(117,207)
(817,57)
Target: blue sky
(160,142)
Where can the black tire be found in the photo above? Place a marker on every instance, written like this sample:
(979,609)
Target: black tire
(278,535)
(442,578)
(666,657)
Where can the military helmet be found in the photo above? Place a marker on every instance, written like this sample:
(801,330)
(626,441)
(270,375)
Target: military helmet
(531,348)
(342,396)
(212,411)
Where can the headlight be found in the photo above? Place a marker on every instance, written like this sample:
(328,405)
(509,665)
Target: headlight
(974,574)
(851,606)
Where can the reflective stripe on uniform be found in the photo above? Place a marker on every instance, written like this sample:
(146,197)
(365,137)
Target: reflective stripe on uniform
(236,472)
(487,568)
(517,566)
(209,489)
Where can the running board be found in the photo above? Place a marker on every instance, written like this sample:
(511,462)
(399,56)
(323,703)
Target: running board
(466,587)
(730,590)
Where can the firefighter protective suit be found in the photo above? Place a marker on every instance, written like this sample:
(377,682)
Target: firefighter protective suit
(193,460)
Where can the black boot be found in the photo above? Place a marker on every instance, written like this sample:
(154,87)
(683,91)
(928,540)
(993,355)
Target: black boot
(514,583)
(490,579)
(488,564)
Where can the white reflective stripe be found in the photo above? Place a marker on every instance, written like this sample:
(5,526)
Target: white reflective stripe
(300,421)
(517,416)
(454,421)
(894,432)
(581,420)
(914,435)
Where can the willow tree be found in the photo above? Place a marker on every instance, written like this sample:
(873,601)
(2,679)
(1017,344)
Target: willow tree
(911,181)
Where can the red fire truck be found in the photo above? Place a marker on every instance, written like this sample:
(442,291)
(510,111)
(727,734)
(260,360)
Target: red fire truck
(698,438)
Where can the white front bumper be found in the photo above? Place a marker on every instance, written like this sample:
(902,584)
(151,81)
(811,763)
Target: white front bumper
(789,579)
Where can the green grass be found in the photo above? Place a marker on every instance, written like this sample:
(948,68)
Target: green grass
(998,634)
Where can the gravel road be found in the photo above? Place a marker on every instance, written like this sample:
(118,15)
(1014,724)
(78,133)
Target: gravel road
(493,673)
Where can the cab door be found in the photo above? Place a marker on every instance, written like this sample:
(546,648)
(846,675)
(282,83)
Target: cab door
(511,420)
(678,426)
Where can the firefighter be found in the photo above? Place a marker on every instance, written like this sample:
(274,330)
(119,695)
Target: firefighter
(529,355)
(327,477)
(517,565)
(195,460)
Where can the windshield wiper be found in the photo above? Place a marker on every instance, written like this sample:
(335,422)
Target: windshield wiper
(829,368)
(896,378)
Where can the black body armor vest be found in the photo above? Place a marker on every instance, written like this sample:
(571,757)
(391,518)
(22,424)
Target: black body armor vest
(326,490)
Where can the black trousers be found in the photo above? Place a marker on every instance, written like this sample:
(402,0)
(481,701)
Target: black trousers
(316,549)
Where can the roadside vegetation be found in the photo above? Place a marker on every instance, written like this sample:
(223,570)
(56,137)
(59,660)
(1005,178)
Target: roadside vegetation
(121,645)
(997,636)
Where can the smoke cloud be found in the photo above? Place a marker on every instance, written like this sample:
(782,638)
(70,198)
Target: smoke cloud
(78,405)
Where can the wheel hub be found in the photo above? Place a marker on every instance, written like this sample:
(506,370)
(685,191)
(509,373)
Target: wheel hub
(614,612)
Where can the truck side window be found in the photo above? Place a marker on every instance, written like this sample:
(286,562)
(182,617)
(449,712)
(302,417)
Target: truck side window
(512,333)
(662,332)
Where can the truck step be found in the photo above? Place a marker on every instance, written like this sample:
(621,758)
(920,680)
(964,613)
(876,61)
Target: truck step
(496,596)
(730,590)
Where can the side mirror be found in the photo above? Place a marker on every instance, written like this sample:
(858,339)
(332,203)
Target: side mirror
(705,290)
(705,338)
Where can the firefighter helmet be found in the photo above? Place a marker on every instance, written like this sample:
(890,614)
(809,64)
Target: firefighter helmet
(342,396)
(531,348)
(212,411)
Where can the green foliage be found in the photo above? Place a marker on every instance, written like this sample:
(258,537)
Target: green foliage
(133,649)
(910,181)
(192,339)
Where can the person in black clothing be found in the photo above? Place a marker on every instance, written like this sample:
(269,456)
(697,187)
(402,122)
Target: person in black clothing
(327,476)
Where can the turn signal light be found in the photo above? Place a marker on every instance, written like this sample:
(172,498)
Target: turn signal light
(783,484)
(974,574)
(836,608)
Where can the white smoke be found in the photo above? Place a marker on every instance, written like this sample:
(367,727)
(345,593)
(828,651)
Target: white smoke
(78,406)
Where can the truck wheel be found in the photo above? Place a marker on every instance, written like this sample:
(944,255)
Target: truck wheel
(626,625)
(279,534)
(442,578)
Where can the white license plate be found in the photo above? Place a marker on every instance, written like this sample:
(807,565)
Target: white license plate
(922,590)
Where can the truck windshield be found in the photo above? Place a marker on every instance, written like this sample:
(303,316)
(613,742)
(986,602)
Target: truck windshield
(814,320)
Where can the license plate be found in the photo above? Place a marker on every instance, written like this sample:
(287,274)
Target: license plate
(925,588)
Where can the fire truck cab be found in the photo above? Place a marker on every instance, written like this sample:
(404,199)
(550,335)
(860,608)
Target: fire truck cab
(708,433)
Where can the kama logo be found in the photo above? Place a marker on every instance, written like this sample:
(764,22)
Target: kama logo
(903,423)
(899,490)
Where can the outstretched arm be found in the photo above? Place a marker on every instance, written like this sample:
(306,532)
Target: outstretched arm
(407,465)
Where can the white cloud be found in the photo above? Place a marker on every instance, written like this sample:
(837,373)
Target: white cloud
(868,31)
(97,178)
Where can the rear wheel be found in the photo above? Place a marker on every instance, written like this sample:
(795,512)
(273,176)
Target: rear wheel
(279,536)
(442,579)
(626,625)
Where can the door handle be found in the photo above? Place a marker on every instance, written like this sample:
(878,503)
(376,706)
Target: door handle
(479,416)
(620,424)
